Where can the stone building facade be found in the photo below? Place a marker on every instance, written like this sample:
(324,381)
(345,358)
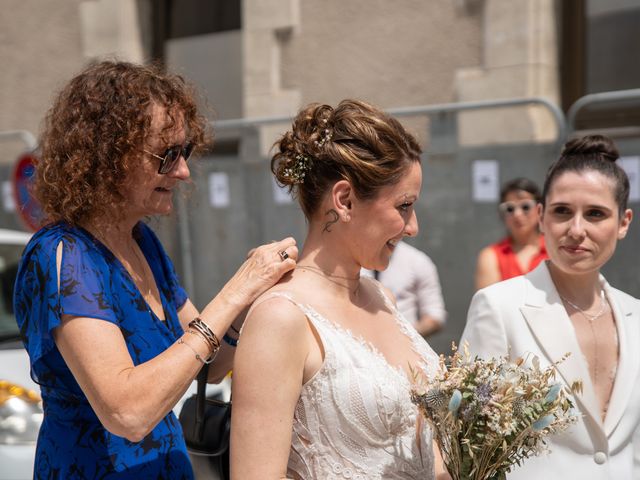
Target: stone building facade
(287,53)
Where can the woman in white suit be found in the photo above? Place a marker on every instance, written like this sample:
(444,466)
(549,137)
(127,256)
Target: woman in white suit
(566,305)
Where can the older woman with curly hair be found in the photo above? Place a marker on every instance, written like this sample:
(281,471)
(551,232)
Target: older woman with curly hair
(113,339)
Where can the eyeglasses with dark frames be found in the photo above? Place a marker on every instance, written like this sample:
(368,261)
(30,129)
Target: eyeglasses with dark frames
(510,208)
(171,156)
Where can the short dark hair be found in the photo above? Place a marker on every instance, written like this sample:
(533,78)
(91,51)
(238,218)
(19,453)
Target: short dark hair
(520,184)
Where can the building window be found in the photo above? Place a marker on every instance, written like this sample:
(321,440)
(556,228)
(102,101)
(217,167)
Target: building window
(186,18)
(600,53)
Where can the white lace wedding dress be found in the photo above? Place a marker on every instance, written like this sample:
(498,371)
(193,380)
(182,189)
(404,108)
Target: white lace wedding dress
(355,419)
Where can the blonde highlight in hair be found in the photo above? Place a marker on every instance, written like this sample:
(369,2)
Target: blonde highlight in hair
(354,141)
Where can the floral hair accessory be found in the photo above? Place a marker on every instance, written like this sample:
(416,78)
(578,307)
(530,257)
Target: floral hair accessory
(325,136)
(298,170)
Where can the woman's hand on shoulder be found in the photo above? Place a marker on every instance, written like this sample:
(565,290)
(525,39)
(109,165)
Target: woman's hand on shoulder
(264,267)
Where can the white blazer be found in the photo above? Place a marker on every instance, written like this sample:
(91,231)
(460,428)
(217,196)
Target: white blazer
(525,315)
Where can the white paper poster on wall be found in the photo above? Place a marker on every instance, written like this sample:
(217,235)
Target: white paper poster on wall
(631,165)
(7,197)
(280,194)
(219,195)
(485,186)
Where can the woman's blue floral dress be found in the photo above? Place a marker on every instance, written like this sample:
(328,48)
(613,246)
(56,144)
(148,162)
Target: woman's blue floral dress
(93,283)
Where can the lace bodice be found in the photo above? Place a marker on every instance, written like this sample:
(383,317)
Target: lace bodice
(354,419)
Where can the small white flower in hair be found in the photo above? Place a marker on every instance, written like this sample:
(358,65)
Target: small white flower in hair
(298,170)
(325,137)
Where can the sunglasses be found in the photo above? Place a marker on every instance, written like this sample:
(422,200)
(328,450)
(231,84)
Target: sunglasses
(171,156)
(510,208)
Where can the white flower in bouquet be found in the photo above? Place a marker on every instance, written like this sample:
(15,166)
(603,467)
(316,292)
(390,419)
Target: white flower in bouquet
(489,415)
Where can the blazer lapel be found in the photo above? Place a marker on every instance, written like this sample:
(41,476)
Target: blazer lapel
(628,361)
(550,325)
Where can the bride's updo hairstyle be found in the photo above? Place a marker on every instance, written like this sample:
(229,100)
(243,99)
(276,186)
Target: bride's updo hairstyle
(592,152)
(355,141)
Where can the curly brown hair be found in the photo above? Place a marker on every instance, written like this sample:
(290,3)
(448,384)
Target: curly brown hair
(97,121)
(355,141)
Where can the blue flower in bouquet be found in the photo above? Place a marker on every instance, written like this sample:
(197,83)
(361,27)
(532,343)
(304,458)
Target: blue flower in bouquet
(456,399)
(543,423)
(553,393)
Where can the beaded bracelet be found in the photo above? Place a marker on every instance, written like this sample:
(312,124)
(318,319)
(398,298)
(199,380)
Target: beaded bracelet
(198,357)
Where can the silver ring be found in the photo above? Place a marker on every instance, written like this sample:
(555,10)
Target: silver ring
(283,255)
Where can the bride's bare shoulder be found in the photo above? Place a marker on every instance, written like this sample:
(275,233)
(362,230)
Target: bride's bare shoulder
(277,308)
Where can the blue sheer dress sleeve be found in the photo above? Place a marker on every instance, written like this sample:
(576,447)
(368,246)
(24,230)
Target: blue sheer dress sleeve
(82,288)
(72,442)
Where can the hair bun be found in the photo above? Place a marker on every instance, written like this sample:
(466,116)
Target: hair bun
(597,145)
(354,141)
(305,144)
(314,128)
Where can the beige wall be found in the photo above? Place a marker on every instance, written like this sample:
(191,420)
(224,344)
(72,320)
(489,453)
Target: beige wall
(44,43)
(391,53)
(405,53)
(40,46)
(520,52)
(213,63)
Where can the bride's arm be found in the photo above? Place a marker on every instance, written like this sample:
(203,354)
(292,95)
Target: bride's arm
(267,380)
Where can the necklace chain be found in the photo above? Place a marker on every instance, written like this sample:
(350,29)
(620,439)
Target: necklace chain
(330,278)
(590,317)
(319,270)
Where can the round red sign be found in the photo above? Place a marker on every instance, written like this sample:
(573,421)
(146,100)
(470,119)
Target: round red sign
(27,206)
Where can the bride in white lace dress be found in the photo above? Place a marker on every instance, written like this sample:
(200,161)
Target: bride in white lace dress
(321,376)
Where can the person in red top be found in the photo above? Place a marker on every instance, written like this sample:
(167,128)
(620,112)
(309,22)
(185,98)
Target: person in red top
(523,248)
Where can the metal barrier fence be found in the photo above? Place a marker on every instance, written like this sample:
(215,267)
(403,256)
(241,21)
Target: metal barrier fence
(602,98)
(234,205)
(453,226)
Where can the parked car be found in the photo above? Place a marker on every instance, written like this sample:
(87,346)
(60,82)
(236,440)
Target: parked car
(20,402)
